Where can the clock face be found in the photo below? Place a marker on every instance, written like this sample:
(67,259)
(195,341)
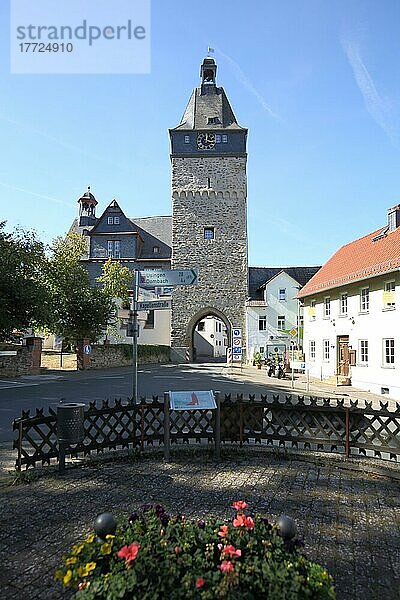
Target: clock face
(205,141)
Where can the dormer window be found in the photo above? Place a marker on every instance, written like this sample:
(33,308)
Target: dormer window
(394,218)
(116,220)
(110,220)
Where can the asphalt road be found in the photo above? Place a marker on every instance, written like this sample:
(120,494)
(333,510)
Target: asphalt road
(42,391)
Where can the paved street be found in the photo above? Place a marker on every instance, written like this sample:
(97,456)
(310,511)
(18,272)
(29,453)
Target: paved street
(349,519)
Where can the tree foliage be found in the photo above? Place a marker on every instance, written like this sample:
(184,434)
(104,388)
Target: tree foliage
(116,279)
(24,300)
(79,309)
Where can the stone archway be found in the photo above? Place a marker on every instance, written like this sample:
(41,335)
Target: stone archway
(202,314)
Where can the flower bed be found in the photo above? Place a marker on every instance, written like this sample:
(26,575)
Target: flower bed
(156,556)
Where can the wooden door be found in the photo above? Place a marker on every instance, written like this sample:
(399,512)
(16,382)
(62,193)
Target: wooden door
(343,355)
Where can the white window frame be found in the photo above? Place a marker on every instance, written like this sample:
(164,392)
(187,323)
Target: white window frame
(224,138)
(282,294)
(262,322)
(117,249)
(343,304)
(217,138)
(116,220)
(326,350)
(388,352)
(281,320)
(364,300)
(312,349)
(313,304)
(363,352)
(390,286)
(110,249)
(187,139)
(110,220)
(327,307)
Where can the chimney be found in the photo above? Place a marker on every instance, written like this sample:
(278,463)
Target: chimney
(394,217)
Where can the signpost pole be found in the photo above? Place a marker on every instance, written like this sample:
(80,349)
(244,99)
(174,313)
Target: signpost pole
(135,336)
(218,426)
(166,427)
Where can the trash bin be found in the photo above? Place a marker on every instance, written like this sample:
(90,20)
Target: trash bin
(70,419)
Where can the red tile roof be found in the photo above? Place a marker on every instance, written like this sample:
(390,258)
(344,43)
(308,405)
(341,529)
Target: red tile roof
(369,256)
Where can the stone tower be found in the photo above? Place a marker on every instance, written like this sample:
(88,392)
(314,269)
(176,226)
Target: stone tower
(209,214)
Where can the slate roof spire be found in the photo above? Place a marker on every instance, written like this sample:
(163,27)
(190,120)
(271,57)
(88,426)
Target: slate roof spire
(208,107)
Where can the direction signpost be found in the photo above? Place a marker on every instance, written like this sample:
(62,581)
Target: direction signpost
(150,279)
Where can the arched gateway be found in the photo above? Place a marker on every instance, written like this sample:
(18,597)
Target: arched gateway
(209,213)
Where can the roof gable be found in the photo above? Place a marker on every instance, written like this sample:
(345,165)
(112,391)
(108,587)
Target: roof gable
(113,220)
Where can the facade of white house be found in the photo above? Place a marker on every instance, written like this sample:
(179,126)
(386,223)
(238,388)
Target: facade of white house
(352,313)
(210,338)
(274,317)
(358,324)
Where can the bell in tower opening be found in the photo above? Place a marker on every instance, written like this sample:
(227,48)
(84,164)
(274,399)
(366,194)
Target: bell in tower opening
(208,74)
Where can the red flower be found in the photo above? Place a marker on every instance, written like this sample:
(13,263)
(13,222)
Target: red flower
(239,505)
(226,566)
(177,549)
(243,521)
(231,550)
(199,582)
(223,531)
(130,552)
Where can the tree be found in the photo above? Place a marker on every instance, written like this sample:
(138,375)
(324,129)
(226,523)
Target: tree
(116,279)
(24,301)
(79,310)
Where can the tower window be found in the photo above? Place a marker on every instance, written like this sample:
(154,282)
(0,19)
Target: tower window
(224,138)
(213,120)
(209,233)
(187,139)
(217,138)
(156,249)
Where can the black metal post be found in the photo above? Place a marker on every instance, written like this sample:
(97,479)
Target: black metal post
(61,458)
(166,427)
(218,426)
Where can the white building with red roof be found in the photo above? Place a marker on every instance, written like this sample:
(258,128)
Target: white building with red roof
(352,313)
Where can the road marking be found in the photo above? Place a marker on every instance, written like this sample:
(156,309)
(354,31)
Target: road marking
(110,377)
(170,377)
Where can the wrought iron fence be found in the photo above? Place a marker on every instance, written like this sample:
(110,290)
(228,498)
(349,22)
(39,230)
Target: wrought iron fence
(291,422)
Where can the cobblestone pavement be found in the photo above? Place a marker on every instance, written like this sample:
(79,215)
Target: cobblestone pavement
(349,519)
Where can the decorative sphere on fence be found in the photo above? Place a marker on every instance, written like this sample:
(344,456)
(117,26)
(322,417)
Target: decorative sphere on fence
(105,524)
(287,527)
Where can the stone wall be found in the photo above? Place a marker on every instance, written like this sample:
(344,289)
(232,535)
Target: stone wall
(209,192)
(120,355)
(22,360)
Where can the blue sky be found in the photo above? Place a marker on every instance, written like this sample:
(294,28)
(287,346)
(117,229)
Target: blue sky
(316,82)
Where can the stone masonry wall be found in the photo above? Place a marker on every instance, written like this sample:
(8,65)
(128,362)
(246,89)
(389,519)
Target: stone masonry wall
(222,262)
(109,356)
(26,361)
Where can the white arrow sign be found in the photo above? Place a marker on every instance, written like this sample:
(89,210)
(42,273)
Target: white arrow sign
(160,277)
(154,305)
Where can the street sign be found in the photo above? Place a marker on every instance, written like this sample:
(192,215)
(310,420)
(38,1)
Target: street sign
(237,342)
(237,357)
(192,400)
(154,305)
(159,277)
(298,365)
(237,332)
(87,349)
(293,332)
(237,350)
(146,295)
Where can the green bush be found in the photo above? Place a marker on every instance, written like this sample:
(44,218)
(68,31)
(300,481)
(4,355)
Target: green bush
(156,556)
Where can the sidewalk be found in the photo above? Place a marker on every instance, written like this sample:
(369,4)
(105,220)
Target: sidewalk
(300,386)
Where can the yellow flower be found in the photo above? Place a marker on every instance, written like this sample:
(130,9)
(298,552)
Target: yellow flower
(77,549)
(84,571)
(90,539)
(71,560)
(106,548)
(67,577)
(110,537)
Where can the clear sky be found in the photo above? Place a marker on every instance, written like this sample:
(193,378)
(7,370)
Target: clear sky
(317,83)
